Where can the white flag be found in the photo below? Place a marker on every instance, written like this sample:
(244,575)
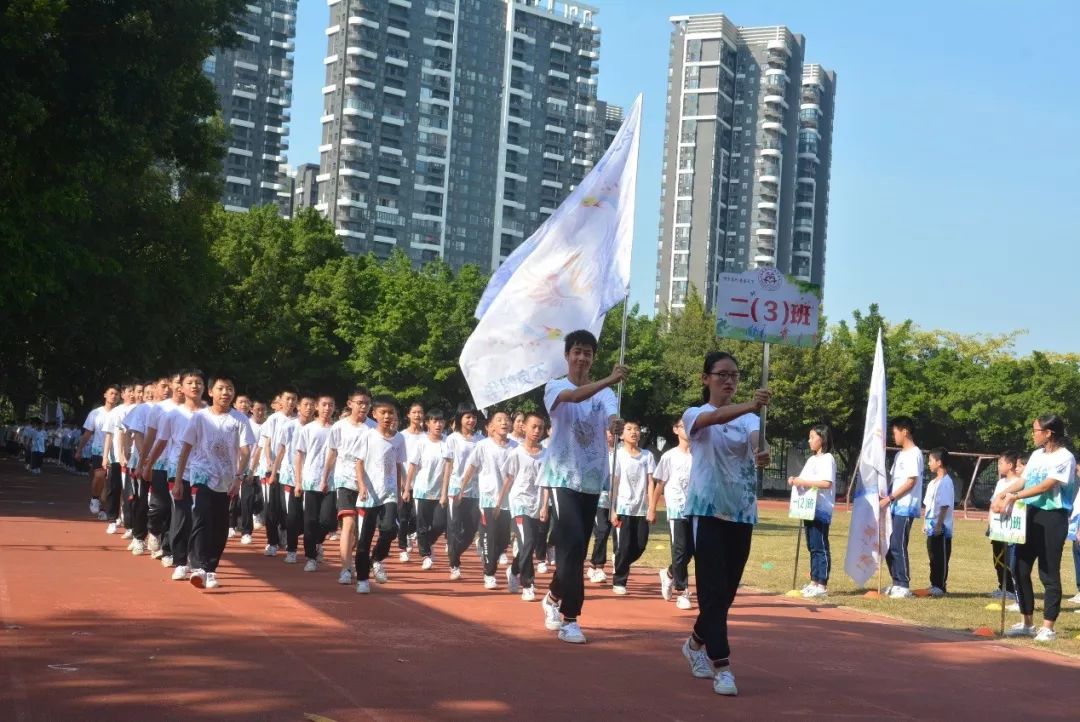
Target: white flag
(864,549)
(565,277)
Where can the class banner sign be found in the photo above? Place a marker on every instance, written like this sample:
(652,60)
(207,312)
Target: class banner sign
(767,306)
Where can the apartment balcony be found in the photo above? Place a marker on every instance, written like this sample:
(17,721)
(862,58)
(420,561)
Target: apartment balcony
(770,176)
(765,232)
(778,45)
(803,251)
(806,224)
(763,259)
(774,98)
(777,58)
(563,47)
(774,127)
(764,205)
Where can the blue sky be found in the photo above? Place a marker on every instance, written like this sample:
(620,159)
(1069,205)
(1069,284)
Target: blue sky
(956,153)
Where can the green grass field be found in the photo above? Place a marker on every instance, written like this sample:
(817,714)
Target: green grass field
(971,577)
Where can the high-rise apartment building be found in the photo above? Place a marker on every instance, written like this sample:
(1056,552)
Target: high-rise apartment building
(737,144)
(254,84)
(453,128)
(306,188)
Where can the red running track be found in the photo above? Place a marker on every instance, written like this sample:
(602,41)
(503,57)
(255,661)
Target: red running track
(92,633)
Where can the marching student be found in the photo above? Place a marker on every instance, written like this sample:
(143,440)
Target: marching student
(380,470)
(413,434)
(462,511)
(134,426)
(1002,552)
(517,427)
(527,503)
(216,444)
(155,468)
(819,472)
(274,515)
(603,526)
(429,463)
(574,468)
(242,404)
(672,479)
(114,460)
(250,491)
(904,499)
(341,462)
(283,473)
(309,465)
(1045,488)
(635,507)
(485,465)
(939,501)
(170,436)
(722,507)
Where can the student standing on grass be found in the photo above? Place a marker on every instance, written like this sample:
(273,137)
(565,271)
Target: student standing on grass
(819,472)
(602,528)
(1046,490)
(216,445)
(903,499)
(672,477)
(722,506)
(575,467)
(1007,469)
(308,470)
(939,502)
(635,507)
(527,502)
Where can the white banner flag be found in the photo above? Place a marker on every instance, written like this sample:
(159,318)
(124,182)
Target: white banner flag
(864,549)
(565,277)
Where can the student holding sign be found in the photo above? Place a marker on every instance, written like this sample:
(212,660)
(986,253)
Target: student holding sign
(1007,463)
(813,492)
(1046,491)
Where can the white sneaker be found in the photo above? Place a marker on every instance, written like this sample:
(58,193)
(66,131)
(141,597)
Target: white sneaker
(1020,630)
(427,563)
(311,566)
(180,573)
(211,581)
(937,592)
(814,591)
(724,683)
(257,524)
(490,582)
(700,666)
(619,590)
(900,593)
(232,533)
(290,558)
(157,554)
(345,577)
(363,587)
(270,550)
(683,601)
(513,584)
(139,549)
(503,560)
(379,572)
(95,506)
(571,632)
(1074,599)
(552,615)
(666,583)
(111,529)
(1046,635)
(166,561)
(403,556)
(128,534)
(596,575)
(198,578)
(153,544)
(131,545)
(1014,607)
(102,516)
(245,539)
(541,568)
(886,591)
(455,573)
(528,594)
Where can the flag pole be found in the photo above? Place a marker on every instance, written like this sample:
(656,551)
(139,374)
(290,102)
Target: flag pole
(763,416)
(613,480)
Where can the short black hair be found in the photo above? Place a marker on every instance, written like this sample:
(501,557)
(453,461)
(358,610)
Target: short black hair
(535,415)
(579,338)
(616,427)
(383,401)
(360,391)
(109,387)
(193,372)
(1011,457)
(223,376)
(940,454)
(434,415)
(904,423)
(289,390)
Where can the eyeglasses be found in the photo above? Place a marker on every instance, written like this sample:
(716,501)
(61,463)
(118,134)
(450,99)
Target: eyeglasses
(725,375)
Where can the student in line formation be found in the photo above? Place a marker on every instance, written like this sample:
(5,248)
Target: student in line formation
(360,470)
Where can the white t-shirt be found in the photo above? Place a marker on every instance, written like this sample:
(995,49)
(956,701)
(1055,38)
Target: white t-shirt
(135,423)
(723,478)
(216,440)
(487,461)
(430,459)
(822,467)
(461,447)
(412,441)
(312,440)
(633,481)
(382,459)
(94,421)
(345,438)
(287,435)
(256,430)
(156,411)
(171,430)
(1060,465)
(524,496)
(604,502)
(674,470)
(113,424)
(577,449)
(906,464)
(939,492)
(267,432)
